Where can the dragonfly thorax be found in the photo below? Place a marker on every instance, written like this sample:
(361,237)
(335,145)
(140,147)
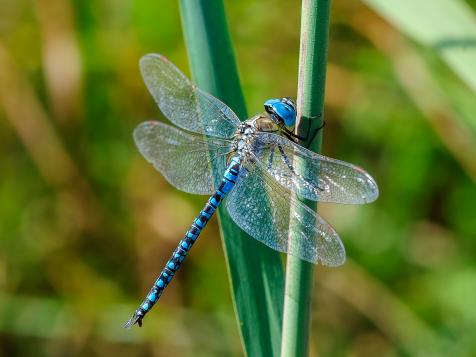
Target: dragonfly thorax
(247,132)
(243,138)
(264,123)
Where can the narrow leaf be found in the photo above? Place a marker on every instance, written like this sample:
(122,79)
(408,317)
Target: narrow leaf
(255,271)
(447,26)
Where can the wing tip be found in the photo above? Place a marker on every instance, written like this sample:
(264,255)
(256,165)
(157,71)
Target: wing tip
(369,187)
(150,60)
(334,263)
(336,259)
(139,129)
(152,56)
(372,190)
(141,132)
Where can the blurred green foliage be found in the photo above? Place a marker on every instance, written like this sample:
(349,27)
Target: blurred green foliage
(86,223)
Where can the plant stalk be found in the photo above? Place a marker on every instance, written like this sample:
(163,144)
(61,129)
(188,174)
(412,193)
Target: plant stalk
(315,16)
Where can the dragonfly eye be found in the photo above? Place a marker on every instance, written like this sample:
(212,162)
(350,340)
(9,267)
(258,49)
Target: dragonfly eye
(281,110)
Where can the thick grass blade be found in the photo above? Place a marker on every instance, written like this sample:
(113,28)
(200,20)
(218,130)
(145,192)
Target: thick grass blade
(255,271)
(447,26)
(310,101)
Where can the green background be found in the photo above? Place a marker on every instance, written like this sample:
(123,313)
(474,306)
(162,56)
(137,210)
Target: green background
(86,224)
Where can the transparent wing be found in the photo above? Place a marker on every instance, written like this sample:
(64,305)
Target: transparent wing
(183,103)
(184,159)
(267,211)
(311,175)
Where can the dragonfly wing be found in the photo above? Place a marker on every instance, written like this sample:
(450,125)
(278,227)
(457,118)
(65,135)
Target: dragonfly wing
(267,211)
(183,103)
(184,159)
(313,176)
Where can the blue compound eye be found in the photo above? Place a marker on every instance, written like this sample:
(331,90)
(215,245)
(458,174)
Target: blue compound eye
(281,111)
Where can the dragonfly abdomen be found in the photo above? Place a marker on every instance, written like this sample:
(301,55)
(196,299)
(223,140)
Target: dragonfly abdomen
(179,254)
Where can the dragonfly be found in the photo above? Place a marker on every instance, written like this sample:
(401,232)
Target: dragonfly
(255,167)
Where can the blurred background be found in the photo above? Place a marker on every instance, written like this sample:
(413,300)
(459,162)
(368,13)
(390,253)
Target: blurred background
(86,223)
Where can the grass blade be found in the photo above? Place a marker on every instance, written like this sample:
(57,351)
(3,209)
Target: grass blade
(447,26)
(310,101)
(255,271)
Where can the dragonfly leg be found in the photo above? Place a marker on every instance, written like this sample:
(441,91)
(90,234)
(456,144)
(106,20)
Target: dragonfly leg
(309,139)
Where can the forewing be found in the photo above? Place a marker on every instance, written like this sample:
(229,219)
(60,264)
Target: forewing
(313,176)
(267,211)
(184,159)
(183,103)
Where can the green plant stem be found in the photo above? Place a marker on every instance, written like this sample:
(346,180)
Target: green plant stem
(255,271)
(310,102)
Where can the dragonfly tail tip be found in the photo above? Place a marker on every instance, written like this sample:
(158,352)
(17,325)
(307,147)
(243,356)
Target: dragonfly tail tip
(136,319)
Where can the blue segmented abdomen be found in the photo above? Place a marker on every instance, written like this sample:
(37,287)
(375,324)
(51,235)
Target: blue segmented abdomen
(179,254)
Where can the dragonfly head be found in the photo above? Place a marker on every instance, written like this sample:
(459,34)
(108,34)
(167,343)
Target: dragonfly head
(281,110)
